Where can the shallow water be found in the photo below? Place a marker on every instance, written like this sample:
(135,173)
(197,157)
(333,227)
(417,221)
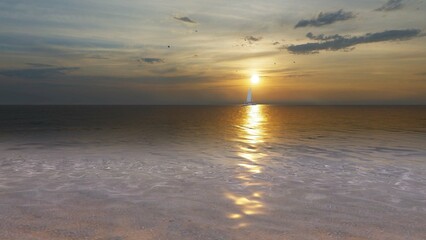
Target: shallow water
(196,172)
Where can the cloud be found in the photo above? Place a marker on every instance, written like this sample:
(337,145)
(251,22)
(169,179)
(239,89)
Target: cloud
(244,56)
(322,37)
(185,19)
(38,72)
(97,56)
(391,5)
(151,60)
(40,65)
(252,39)
(298,75)
(325,19)
(337,42)
(56,46)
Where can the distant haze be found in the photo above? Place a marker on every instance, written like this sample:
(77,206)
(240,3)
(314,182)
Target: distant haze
(204,52)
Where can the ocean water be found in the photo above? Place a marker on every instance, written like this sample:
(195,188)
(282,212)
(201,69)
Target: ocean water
(212,172)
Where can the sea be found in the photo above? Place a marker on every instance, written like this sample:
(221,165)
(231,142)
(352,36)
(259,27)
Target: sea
(212,172)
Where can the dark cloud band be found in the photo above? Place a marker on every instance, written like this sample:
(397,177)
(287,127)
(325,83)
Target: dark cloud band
(185,19)
(151,60)
(322,37)
(337,42)
(252,39)
(325,19)
(391,5)
(38,72)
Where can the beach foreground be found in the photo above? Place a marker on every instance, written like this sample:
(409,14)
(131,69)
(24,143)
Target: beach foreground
(254,172)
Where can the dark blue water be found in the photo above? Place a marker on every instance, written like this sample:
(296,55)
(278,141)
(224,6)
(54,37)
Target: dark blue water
(212,172)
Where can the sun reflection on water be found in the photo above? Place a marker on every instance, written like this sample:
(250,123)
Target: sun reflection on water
(249,201)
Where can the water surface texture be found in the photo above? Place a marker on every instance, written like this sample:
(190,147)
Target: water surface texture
(197,172)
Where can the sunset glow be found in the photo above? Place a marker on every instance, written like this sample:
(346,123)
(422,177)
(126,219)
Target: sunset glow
(255,79)
(143,52)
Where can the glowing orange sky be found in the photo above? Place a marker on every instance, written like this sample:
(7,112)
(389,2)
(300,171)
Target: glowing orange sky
(205,52)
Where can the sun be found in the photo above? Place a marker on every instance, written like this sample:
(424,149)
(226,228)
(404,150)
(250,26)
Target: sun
(255,79)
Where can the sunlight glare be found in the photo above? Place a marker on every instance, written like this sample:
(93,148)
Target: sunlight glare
(255,79)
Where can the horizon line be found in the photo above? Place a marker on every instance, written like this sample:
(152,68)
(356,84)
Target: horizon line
(231,104)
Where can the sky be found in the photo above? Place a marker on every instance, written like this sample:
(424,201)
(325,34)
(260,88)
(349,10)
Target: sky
(205,52)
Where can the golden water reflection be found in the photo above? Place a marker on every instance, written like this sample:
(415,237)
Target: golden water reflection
(251,135)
